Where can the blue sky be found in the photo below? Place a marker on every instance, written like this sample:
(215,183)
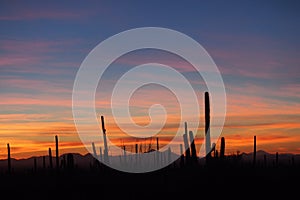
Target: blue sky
(255,44)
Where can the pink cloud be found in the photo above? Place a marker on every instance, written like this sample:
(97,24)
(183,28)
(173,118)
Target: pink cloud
(45,100)
(37,46)
(25,117)
(11,60)
(60,86)
(32,56)
(28,13)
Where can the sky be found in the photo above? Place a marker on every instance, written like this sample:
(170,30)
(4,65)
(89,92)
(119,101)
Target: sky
(255,45)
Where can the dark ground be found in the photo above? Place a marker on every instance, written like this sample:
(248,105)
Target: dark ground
(218,180)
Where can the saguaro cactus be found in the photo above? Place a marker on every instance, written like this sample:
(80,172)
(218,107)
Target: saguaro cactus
(157,151)
(100,154)
(136,153)
(94,149)
(222,150)
(124,153)
(276,159)
(8,159)
(50,158)
(96,161)
(207,125)
(106,159)
(193,147)
(186,143)
(254,150)
(214,149)
(56,152)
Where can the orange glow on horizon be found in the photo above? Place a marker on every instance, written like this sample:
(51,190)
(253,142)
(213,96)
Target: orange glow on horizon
(275,125)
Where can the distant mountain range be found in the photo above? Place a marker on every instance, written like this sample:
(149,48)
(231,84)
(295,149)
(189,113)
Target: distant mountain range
(284,158)
(87,160)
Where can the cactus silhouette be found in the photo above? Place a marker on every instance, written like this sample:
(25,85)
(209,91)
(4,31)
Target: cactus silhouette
(214,149)
(50,158)
(157,150)
(96,161)
(186,144)
(100,152)
(8,159)
(94,150)
(277,159)
(124,153)
(56,152)
(106,159)
(222,150)
(207,125)
(193,147)
(254,150)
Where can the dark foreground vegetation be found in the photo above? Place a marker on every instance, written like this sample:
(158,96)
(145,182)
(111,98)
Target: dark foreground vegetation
(227,179)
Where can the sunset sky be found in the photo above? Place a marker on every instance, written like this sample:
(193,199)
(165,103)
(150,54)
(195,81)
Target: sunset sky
(255,45)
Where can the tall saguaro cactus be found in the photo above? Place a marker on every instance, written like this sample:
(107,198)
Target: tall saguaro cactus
(125,156)
(106,159)
(186,143)
(214,149)
(96,161)
(8,159)
(56,152)
(222,150)
(100,154)
(157,151)
(254,150)
(193,146)
(94,149)
(207,125)
(50,158)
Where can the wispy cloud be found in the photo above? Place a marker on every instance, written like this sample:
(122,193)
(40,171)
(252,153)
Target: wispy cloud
(45,100)
(38,56)
(25,12)
(41,86)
